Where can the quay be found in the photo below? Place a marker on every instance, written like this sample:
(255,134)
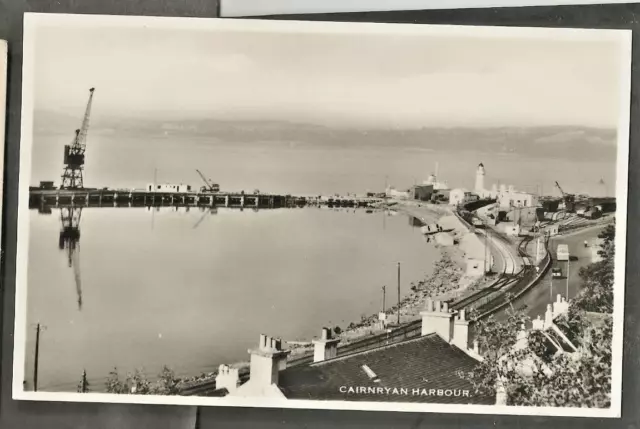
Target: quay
(141,198)
(88,197)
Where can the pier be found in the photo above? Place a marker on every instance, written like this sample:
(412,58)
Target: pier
(57,198)
(123,198)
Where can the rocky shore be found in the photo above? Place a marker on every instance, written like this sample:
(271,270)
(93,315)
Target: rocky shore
(447,280)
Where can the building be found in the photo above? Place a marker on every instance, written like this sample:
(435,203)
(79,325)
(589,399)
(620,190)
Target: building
(461,196)
(509,197)
(437,184)
(422,369)
(422,192)
(169,188)
(47,185)
(478,260)
(550,206)
(394,193)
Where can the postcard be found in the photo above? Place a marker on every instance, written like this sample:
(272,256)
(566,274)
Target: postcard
(322,215)
(247,8)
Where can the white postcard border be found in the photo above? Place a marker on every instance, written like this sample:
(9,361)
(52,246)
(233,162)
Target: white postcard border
(215,24)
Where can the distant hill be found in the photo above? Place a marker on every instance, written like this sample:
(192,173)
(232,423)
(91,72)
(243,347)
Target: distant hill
(560,141)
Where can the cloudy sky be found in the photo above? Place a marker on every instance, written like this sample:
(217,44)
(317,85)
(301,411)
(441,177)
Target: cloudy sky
(339,78)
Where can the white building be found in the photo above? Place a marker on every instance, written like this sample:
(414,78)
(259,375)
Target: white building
(394,193)
(180,188)
(509,197)
(437,185)
(461,196)
(433,180)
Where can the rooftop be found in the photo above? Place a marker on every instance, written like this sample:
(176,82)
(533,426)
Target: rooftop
(417,370)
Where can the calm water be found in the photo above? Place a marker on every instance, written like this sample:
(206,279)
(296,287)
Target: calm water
(176,288)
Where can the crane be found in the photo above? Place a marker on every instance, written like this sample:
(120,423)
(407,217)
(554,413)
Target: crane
(209,185)
(72,175)
(70,241)
(569,199)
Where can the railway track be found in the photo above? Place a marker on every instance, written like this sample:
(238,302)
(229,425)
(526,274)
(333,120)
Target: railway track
(508,277)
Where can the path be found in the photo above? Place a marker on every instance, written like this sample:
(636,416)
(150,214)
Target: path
(546,290)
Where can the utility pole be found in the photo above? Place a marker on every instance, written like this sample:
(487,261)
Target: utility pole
(398,293)
(384,293)
(568,278)
(488,238)
(35,365)
(486,246)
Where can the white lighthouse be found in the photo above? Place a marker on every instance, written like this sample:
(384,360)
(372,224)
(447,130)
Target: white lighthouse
(479,188)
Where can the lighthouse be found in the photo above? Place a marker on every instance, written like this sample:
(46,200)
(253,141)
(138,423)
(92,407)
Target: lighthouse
(479,188)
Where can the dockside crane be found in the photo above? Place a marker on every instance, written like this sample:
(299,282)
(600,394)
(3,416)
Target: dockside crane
(569,199)
(209,185)
(72,174)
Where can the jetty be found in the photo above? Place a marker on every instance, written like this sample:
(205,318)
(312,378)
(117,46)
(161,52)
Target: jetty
(41,198)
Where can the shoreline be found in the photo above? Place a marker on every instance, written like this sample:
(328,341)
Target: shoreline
(447,280)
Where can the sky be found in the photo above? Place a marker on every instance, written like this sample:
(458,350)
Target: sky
(338,79)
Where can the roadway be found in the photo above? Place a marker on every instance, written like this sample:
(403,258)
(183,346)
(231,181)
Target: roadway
(537,298)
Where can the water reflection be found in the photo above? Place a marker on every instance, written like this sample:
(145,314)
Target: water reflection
(182,295)
(69,241)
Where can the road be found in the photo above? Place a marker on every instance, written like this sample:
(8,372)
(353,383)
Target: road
(540,295)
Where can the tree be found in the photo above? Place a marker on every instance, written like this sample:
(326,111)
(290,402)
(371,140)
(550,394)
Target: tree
(598,278)
(167,383)
(535,374)
(495,340)
(138,383)
(83,386)
(114,385)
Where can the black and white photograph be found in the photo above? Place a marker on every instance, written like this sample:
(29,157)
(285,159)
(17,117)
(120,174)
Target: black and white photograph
(291,214)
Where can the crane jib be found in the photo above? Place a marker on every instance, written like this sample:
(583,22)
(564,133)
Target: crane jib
(74,154)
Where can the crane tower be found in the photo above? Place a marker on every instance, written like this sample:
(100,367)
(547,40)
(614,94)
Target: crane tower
(72,175)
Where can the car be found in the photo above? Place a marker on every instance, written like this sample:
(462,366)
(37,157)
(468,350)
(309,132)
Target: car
(556,272)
